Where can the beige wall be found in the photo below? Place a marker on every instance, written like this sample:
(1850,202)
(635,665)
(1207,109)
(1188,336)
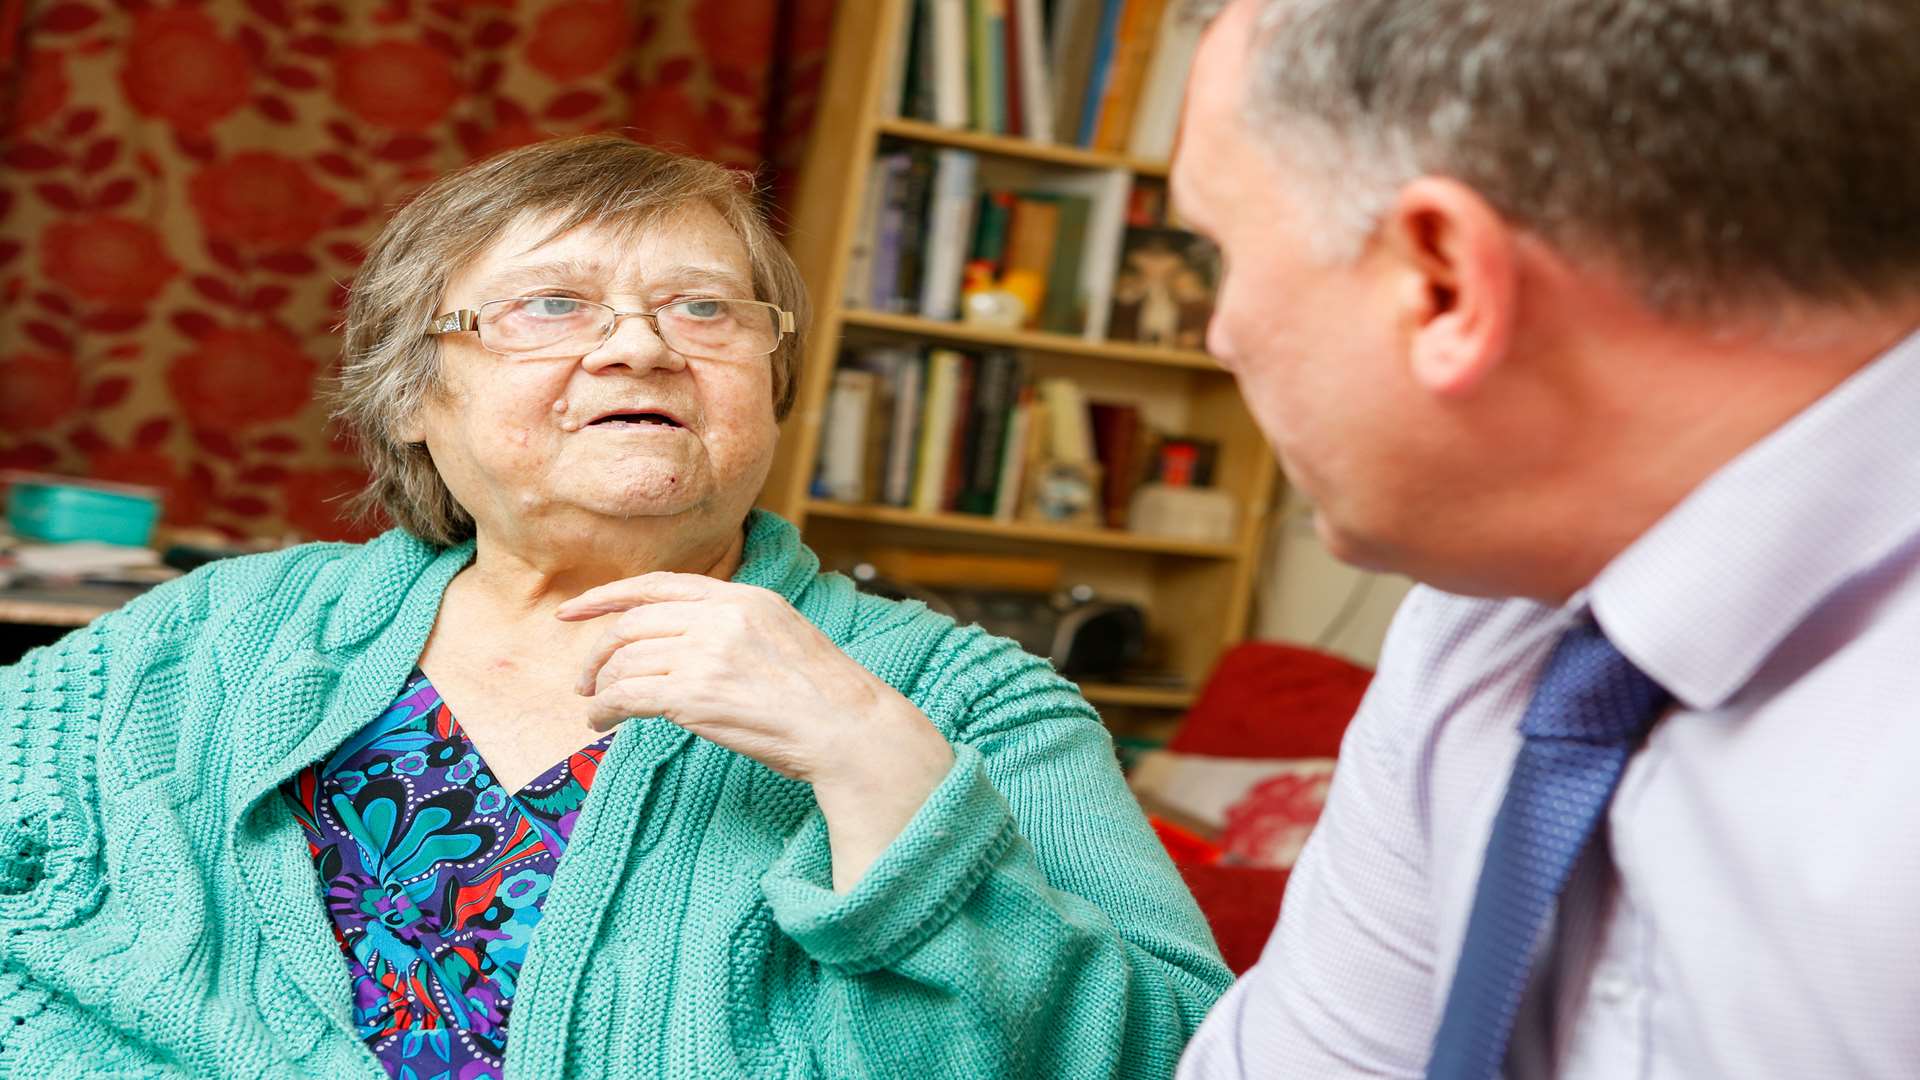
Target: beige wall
(1303,590)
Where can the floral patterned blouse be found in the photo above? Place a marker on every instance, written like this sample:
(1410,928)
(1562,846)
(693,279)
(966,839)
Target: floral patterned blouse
(434,876)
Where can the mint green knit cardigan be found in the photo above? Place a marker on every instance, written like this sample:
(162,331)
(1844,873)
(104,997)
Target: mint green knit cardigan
(162,916)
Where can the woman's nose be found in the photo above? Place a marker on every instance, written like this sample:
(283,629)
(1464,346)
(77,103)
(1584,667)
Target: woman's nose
(634,343)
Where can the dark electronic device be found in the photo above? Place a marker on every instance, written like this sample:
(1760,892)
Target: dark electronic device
(1084,636)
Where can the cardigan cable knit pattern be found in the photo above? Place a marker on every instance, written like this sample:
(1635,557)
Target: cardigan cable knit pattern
(160,916)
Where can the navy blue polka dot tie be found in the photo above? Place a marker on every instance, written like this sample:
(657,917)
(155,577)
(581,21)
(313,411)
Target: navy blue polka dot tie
(1589,713)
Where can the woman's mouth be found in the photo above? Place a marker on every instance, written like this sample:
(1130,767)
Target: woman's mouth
(636,419)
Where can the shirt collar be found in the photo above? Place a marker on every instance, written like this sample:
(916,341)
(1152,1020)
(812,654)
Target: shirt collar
(1701,600)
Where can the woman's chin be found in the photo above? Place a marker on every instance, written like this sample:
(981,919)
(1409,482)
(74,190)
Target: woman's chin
(641,493)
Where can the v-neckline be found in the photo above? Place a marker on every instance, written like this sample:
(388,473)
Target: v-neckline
(545,779)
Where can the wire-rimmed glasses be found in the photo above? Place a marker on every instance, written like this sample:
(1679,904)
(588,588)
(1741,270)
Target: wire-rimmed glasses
(547,327)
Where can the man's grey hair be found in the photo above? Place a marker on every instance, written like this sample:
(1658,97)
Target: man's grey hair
(1721,153)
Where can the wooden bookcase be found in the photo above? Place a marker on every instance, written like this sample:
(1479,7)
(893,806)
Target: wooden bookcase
(1197,595)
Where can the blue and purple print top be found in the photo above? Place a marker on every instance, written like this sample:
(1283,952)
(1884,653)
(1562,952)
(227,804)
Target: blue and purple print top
(434,877)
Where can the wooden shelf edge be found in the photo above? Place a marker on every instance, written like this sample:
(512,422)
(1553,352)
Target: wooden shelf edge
(1030,340)
(1021,530)
(1150,697)
(1012,146)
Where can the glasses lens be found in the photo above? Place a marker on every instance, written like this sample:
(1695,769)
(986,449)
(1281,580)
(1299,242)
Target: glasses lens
(720,329)
(532,324)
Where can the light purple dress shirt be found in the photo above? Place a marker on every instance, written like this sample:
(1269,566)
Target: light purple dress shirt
(1752,906)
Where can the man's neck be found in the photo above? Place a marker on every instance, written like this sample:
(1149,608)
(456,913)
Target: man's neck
(1622,413)
(1690,403)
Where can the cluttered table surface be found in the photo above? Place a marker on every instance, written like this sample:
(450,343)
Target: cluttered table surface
(73,606)
(72,550)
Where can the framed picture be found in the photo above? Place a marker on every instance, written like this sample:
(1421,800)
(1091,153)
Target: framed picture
(1163,293)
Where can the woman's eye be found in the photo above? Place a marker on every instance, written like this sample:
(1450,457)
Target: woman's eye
(702,309)
(552,306)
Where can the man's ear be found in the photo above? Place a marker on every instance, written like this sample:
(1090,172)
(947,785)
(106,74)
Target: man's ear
(1458,262)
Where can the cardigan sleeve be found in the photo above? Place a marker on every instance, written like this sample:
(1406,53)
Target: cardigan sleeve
(1025,923)
(50,708)
(50,840)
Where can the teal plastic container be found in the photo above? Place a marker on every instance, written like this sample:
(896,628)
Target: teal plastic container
(44,509)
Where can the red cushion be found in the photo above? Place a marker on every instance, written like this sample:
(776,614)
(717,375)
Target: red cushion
(1241,904)
(1184,845)
(1266,700)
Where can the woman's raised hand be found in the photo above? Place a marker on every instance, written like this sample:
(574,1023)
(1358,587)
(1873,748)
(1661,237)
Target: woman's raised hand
(736,664)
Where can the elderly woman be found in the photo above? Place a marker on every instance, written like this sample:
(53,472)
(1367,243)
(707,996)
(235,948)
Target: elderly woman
(585,769)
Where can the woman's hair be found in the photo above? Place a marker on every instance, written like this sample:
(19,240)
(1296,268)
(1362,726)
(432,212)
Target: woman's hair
(390,367)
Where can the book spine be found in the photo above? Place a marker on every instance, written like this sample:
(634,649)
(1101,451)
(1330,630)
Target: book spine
(899,70)
(960,450)
(990,238)
(917,94)
(936,430)
(1106,228)
(884,364)
(904,437)
(1036,89)
(1067,424)
(1076,33)
(1061,311)
(1158,119)
(1030,240)
(999,371)
(1014,74)
(1138,32)
(890,234)
(994,36)
(914,230)
(1098,73)
(979,67)
(856,288)
(1115,431)
(1013,457)
(950,66)
(844,435)
(948,230)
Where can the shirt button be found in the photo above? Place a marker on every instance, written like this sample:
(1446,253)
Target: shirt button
(1612,988)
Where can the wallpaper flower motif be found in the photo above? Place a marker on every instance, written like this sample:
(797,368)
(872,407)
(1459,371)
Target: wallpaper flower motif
(186,187)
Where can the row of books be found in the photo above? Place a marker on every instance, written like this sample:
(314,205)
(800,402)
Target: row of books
(928,224)
(1105,74)
(935,220)
(948,431)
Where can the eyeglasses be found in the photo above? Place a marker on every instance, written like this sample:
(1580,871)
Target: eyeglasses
(548,327)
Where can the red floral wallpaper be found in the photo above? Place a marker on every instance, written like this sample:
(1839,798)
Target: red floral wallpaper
(186,187)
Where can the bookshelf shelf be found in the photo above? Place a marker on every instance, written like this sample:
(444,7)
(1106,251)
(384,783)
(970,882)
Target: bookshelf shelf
(866,165)
(1114,539)
(1033,341)
(1025,149)
(1151,697)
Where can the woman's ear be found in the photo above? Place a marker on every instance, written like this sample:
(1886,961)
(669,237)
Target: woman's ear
(410,430)
(1458,263)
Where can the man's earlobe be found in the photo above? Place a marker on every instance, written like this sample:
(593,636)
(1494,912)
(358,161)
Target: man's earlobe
(1459,266)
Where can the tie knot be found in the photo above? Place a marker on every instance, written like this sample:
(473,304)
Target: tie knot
(1591,693)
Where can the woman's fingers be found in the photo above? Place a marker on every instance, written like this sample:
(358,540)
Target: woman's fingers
(640,695)
(637,624)
(648,656)
(634,591)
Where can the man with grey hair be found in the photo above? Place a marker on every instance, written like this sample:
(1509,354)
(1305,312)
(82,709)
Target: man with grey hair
(1599,318)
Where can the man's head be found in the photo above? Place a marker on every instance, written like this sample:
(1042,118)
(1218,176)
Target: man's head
(1476,253)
